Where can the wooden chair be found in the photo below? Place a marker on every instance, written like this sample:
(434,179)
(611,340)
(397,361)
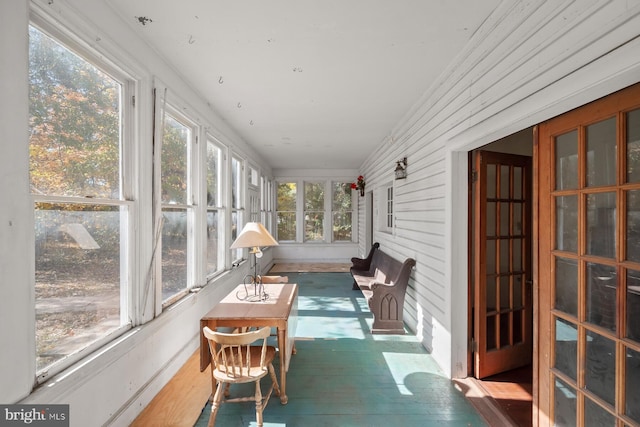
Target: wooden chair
(234,361)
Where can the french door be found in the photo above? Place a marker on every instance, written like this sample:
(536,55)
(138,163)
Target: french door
(502,263)
(589,264)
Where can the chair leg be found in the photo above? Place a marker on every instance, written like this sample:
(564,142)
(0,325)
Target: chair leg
(259,406)
(274,379)
(215,404)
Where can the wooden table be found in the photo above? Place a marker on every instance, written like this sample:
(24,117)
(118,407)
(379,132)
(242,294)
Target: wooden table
(280,310)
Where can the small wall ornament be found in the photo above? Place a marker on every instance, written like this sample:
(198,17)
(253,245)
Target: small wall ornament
(359,185)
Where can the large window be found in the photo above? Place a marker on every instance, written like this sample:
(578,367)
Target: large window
(313,211)
(322,213)
(215,209)
(80,190)
(286,211)
(177,206)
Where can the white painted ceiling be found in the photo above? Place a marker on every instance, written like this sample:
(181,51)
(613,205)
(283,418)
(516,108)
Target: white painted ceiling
(309,83)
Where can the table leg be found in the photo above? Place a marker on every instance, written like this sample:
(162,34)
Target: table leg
(282,350)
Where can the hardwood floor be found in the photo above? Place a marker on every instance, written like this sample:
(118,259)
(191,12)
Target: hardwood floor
(180,402)
(512,391)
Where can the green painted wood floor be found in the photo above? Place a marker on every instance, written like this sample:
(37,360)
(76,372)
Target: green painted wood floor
(342,375)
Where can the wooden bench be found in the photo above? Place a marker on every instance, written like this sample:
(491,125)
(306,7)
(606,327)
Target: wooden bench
(383,281)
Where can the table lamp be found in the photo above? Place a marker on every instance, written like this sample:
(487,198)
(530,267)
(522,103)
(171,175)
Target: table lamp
(254,236)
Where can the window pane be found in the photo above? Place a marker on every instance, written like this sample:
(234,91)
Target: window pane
(516,257)
(314,211)
(491,333)
(504,181)
(236,228)
(492,181)
(314,196)
(342,212)
(78,283)
(633,225)
(214,175)
(175,145)
(518,218)
(491,297)
(491,257)
(566,147)
(564,404)
(253,176)
(566,286)
(632,383)
(602,283)
(314,226)
(287,196)
(505,292)
(600,369)
(214,237)
(490,222)
(567,223)
(174,252)
(342,196)
(287,226)
(596,416)
(505,217)
(517,183)
(505,340)
(633,305)
(286,207)
(74,125)
(566,349)
(236,183)
(601,153)
(601,224)
(633,146)
(342,226)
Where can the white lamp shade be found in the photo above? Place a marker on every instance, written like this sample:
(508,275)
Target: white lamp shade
(253,235)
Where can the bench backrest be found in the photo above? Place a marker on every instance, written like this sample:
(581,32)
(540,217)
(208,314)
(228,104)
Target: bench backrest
(389,270)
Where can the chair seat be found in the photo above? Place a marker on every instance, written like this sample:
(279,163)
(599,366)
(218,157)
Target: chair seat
(255,370)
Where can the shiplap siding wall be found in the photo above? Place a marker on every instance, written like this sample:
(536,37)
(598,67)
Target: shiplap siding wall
(530,61)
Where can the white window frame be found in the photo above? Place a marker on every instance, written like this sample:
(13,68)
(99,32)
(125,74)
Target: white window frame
(219,206)
(386,219)
(189,206)
(125,200)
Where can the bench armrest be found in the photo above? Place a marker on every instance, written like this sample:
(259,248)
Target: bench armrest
(376,284)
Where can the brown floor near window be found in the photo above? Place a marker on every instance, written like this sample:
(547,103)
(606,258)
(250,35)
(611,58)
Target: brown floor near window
(512,391)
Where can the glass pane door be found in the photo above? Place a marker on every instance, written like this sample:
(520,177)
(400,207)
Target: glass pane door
(590,265)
